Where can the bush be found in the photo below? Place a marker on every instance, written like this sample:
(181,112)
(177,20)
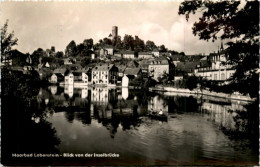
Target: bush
(192,82)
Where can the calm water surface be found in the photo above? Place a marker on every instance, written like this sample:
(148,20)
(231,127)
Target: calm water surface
(105,120)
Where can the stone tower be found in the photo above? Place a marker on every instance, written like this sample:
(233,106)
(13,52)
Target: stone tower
(114,32)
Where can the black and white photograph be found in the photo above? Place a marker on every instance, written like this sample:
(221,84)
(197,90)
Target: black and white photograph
(129,83)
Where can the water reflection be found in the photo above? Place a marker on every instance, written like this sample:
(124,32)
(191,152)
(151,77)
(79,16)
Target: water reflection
(84,118)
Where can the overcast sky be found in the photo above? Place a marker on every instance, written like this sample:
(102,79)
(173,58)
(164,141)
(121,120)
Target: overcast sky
(46,24)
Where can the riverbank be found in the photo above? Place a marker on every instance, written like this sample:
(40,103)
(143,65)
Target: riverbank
(203,92)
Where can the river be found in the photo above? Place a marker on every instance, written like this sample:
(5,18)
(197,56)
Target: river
(196,130)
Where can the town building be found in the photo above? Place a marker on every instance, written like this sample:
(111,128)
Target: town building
(128,54)
(145,55)
(118,54)
(132,73)
(56,78)
(215,67)
(125,82)
(158,67)
(121,69)
(156,52)
(144,64)
(106,50)
(80,79)
(104,74)
(61,71)
(69,79)
(186,67)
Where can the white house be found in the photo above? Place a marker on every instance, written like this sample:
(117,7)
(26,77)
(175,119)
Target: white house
(158,67)
(69,79)
(128,54)
(145,55)
(104,74)
(56,78)
(216,70)
(156,53)
(125,81)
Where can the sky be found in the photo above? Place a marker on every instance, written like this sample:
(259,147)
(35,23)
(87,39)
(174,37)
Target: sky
(46,24)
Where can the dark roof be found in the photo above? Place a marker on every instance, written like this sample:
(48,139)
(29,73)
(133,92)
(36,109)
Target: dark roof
(132,63)
(187,66)
(205,63)
(121,68)
(103,67)
(145,53)
(176,57)
(60,70)
(77,73)
(159,61)
(132,71)
(60,77)
(127,52)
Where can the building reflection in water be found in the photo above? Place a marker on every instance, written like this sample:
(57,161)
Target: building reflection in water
(115,108)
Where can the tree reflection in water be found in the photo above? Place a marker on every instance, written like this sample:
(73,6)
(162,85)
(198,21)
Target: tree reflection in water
(24,129)
(246,126)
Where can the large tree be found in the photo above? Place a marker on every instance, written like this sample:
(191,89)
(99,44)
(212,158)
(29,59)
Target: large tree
(71,49)
(236,21)
(7,40)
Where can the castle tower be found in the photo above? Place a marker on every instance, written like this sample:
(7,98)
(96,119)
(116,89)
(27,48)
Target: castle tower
(114,31)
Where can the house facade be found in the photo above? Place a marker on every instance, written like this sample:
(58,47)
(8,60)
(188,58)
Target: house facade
(215,69)
(128,54)
(56,78)
(156,53)
(69,79)
(104,74)
(145,55)
(158,67)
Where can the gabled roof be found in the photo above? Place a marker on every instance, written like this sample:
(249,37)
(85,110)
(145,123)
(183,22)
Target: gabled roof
(127,52)
(145,53)
(159,61)
(77,73)
(60,70)
(121,68)
(132,63)
(103,67)
(187,66)
(204,63)
(132,71)
(176,57)
(59,76)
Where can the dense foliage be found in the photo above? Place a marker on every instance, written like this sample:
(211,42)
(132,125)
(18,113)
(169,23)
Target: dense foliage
(232,20)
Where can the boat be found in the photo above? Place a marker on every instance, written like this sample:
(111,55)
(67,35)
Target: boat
(157,116)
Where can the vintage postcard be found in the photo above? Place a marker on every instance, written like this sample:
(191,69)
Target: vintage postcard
(86,83)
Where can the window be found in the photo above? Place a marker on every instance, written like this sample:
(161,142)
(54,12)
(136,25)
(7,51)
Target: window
(223,76)
(215,76)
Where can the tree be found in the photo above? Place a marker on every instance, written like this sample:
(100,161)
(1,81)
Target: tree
(7,40)
(37,55)
(192,82)
(128,42)
(162,48)
(149,45)
(230,20)
(59,54)
(71,49)
(138,44)
(88,43)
